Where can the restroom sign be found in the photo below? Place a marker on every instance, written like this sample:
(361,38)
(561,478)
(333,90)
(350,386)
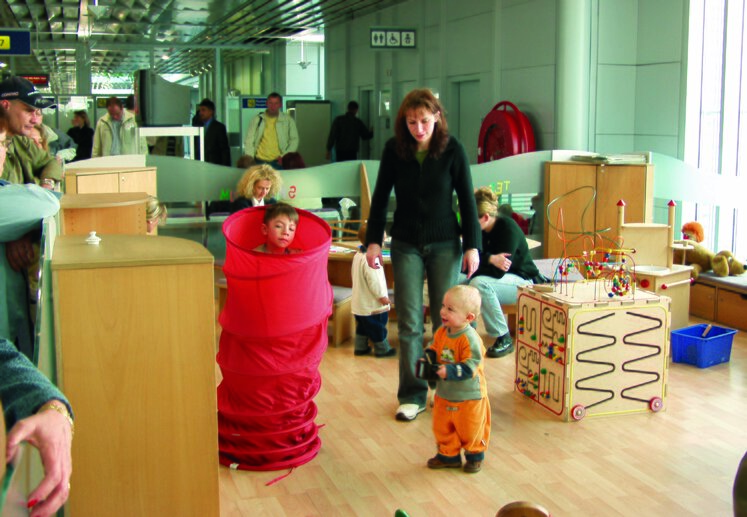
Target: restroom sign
(393,38)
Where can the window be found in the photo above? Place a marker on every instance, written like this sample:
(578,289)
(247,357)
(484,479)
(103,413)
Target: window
(716,113)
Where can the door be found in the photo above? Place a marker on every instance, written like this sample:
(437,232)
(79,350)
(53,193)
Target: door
(469,117)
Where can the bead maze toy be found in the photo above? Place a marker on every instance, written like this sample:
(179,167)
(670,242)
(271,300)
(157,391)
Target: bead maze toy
(598,346)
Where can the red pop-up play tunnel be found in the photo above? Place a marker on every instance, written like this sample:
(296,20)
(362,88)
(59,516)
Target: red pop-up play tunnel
(274,332)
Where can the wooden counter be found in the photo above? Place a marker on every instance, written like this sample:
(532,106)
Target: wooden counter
(134,321)
(80,180)
(104,213)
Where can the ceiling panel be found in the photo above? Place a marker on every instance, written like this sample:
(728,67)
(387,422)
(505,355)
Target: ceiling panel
(123,35)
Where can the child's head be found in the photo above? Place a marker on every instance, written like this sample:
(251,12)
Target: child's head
(155,214)
(461,306)
(279,226)
(245,161)
(259,182)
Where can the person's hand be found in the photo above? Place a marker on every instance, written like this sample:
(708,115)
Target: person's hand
(441,372)
(372,253)
(501,261)
(20,253)
(50,432)
(470,262)
(384,300)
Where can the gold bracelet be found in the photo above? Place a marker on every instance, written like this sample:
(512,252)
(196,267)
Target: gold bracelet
(61,409)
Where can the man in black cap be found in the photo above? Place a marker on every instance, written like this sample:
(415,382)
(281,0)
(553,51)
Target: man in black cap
(25,163)
(216,145)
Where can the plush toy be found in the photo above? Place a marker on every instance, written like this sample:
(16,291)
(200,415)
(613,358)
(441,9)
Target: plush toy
(701,258)
(725,264)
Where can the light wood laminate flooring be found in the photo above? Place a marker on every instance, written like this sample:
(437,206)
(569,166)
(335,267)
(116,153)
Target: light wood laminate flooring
(681,461)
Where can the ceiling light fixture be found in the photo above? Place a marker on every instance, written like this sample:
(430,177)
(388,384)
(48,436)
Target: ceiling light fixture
(303,63)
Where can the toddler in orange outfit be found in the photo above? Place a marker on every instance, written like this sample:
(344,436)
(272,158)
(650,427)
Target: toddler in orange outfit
(461,411)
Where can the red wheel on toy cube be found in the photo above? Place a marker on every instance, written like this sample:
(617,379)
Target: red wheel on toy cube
(578,412)
(655,404)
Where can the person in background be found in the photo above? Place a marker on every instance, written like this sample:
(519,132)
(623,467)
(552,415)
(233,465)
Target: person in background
(131,106)
(20,103)
(244,162)
(505,264)
(116,132)
(57,144)
(155,214)
(346,133)
(271,134)
(461,409)
(22,207)
(425,166)
(279,227)
(39,137)
(257,187)
(293,161)
(216,146)
(82,135)
(370,305)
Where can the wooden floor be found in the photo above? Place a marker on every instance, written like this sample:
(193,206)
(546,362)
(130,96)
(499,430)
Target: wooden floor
(681,461)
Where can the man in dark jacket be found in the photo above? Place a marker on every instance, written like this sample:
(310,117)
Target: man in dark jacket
(217,149)
(346,133)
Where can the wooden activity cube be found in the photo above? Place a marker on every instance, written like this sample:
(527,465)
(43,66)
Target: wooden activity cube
(582,353)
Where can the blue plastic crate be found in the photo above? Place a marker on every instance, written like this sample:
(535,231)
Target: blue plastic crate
(689,347)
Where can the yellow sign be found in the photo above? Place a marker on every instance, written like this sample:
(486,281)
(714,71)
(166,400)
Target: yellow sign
(4,42)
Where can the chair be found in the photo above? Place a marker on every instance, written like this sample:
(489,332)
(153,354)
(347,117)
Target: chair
(345,230)
(522,509)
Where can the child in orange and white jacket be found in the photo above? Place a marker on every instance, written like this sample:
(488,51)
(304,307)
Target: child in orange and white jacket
(461,411)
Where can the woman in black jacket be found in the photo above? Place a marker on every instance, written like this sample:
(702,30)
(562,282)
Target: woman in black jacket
(82,135)
(257,187)
(425,166)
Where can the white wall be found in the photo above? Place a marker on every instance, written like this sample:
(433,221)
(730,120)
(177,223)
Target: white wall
(637,63)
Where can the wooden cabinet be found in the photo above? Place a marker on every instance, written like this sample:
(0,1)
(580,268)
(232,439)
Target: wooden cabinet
(109,213)
(722,300)
(703,301)
(94,181)
(582,201)
(135,339)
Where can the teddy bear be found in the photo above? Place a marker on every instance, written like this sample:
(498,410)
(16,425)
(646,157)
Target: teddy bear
(724,261)
(701,258)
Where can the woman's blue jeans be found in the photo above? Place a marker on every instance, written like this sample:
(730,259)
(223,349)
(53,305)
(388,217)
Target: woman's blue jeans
(494,293)
(439,262)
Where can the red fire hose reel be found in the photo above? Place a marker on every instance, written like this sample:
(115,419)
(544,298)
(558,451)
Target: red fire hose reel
(504,133)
